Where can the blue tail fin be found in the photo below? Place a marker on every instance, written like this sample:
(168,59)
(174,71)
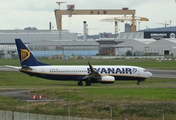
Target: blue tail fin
(25,56)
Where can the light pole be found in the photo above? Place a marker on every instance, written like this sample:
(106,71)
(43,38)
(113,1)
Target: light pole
(68,110)
(162,113)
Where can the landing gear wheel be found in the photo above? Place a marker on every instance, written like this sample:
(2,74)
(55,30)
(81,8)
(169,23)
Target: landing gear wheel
(138,83)
(88,83)
(80,83)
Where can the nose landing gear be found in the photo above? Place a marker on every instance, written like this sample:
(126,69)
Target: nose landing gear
(139,81)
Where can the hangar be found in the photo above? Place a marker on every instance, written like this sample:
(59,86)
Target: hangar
(162,47)
(147,43)
(136,46)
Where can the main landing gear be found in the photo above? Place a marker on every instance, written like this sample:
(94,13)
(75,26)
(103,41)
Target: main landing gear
(88,83)
(80,83)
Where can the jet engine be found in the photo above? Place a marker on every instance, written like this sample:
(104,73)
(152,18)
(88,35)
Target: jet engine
(107,79)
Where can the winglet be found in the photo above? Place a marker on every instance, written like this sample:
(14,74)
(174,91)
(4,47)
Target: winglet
(91,67)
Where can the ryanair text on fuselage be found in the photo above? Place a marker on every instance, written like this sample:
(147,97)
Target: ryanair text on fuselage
(114,70)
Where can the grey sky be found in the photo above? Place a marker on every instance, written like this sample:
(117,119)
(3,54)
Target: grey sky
(34,13)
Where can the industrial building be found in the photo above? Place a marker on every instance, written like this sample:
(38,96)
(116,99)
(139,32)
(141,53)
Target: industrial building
(8,36)
(147,43)
(64,47)
(45,43)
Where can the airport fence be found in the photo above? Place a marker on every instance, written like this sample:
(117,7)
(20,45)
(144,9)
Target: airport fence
(12,115)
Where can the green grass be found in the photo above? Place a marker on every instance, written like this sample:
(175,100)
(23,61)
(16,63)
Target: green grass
(125,97)
(146,63)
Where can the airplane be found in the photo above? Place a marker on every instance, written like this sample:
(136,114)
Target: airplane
(85,73)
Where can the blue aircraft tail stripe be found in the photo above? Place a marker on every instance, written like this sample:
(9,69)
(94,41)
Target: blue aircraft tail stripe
(25,56)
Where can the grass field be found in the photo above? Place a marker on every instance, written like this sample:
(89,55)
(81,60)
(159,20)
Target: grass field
(146,63)
(125,97)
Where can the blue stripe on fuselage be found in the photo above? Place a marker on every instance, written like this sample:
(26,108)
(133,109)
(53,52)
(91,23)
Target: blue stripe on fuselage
(76,77)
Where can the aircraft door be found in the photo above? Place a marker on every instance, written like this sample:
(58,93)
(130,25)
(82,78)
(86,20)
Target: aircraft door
(43,72)
(138,72)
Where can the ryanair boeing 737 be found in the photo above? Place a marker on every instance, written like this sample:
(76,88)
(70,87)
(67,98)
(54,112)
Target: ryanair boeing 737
(88,73)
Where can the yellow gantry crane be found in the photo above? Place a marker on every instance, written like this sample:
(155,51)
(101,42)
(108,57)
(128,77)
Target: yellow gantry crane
(72,11)
(132,19)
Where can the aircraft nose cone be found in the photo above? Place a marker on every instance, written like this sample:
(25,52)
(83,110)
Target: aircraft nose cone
(150,74)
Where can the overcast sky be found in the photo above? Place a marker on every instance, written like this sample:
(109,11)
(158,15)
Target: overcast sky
(19,14)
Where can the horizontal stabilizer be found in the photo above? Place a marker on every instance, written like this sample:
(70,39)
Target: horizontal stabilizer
(14,67)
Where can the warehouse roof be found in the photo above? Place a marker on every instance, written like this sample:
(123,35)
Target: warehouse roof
(145,41)
(131,43)
(164,43)
(136,42)
(68,42)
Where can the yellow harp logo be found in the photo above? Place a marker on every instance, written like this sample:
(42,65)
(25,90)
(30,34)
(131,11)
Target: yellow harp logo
(25,54)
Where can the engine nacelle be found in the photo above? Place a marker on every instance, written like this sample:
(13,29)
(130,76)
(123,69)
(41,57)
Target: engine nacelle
(107,79)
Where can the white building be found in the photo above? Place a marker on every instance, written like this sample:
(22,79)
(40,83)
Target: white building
(8,36)
(142,43)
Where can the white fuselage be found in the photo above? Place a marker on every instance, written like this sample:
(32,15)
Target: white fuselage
(78,72)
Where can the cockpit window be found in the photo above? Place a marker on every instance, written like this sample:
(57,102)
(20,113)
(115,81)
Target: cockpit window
(145,70)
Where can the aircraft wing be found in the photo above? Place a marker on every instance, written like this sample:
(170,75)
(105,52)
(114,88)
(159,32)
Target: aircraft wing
(93,75)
